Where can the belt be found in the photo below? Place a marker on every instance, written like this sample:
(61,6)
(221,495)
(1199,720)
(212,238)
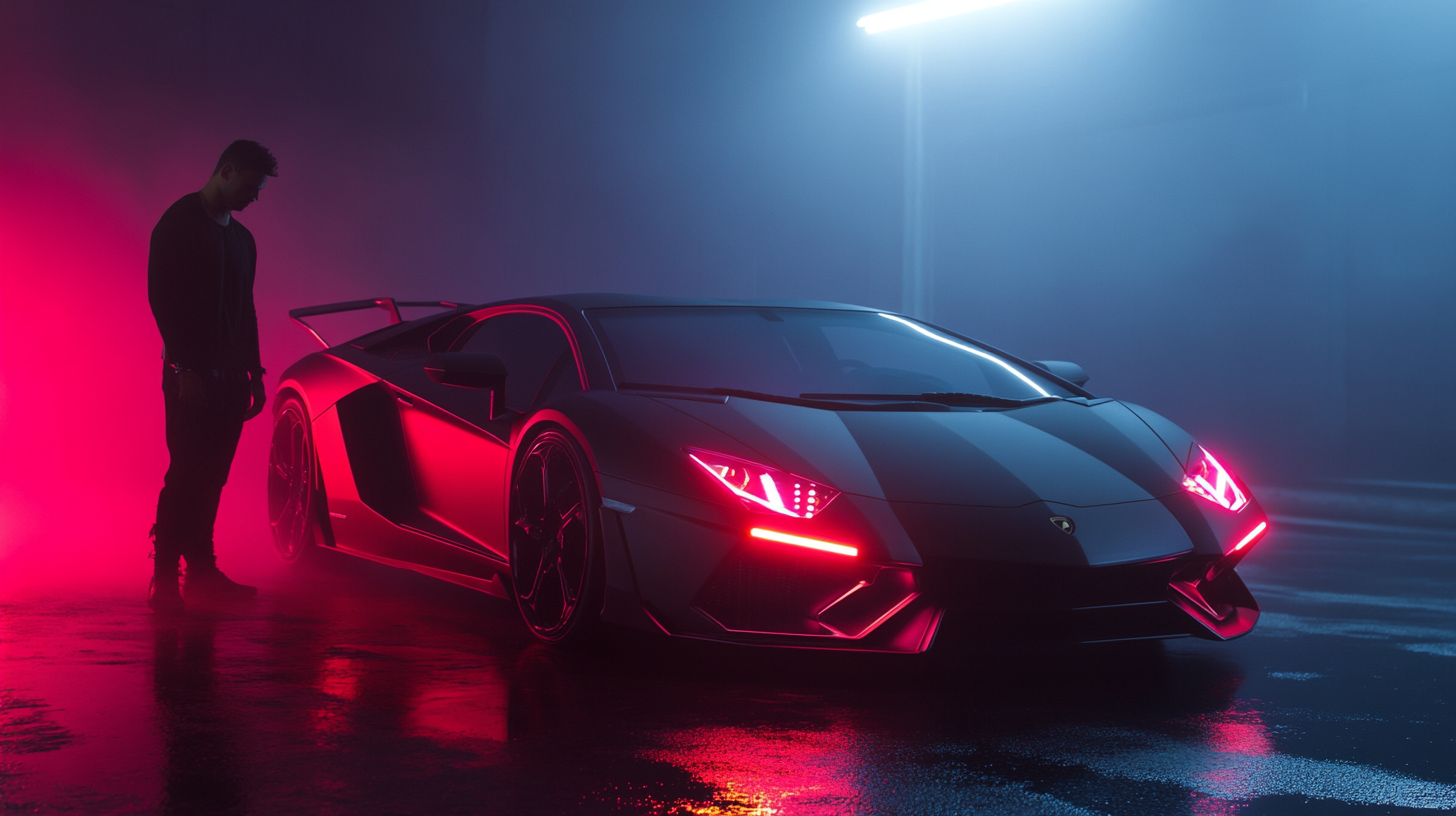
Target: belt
(213,374)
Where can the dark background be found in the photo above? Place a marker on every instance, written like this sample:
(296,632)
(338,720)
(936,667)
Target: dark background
(1240,214)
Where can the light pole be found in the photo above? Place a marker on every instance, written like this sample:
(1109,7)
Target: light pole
(916,274)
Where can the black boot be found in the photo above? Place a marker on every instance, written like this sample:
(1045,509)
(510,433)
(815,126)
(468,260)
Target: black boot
(163,595)
(205,582)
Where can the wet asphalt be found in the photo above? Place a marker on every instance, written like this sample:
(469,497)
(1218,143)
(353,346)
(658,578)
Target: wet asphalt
(353,688)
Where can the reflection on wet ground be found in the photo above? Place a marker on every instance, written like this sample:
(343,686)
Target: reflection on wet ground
(358,689)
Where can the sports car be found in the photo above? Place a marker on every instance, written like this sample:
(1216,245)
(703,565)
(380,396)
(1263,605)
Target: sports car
(776,473)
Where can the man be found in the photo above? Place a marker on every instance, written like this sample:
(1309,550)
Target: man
(200,284)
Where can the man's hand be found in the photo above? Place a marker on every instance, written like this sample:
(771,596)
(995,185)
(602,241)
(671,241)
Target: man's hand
(259,394)
(191,388)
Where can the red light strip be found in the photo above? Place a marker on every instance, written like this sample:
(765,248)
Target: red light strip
(1257,531)
(801,541)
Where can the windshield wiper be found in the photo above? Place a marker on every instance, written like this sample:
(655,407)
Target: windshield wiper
(830,401)
(941,397)
(690,389)
(956,398)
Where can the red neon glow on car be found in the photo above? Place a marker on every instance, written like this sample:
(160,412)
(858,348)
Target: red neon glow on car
(1253,534)
(801,541)
(764,488)
(1212,481)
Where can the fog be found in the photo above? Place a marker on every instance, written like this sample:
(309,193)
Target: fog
(1242,214)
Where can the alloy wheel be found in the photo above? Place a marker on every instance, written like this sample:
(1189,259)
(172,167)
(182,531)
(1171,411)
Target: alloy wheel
(552,539)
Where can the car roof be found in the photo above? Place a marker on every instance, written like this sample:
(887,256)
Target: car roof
(608,300)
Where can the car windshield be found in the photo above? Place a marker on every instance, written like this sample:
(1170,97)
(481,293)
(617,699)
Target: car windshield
(796,353)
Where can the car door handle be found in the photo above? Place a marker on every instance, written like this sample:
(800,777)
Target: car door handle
(404,399)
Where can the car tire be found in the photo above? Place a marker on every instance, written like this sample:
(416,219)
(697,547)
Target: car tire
(557,570)
(293,494)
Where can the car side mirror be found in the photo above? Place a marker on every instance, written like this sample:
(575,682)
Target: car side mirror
(1071,372)
(467,370)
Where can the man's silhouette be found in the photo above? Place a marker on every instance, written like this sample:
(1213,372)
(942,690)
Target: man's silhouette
(200,284)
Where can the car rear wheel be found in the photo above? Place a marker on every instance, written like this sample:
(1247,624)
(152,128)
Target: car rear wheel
(555,539)
(292,491)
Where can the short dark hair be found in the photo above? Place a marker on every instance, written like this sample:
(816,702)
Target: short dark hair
(246,154)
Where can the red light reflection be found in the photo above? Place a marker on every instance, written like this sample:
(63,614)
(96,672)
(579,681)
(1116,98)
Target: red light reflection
(1201,804)
(339,679)
(434,699)
(767,771)
(1238,732)
(461,705)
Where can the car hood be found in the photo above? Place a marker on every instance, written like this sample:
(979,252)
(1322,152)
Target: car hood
(1071,452)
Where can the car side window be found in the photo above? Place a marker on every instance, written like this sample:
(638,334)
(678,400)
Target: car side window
(538,358)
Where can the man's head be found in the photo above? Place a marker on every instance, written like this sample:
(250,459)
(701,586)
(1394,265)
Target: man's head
(241,173)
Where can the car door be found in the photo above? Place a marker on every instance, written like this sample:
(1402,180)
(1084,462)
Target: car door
(460,456)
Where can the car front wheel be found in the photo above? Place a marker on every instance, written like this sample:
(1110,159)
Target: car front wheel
(555,539)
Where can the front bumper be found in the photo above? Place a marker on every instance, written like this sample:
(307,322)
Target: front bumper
(700,575)
(1138,601)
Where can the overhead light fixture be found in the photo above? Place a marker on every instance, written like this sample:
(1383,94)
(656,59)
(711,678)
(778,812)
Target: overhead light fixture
(923,13)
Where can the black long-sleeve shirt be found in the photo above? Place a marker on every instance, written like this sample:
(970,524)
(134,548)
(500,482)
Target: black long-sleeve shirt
(200,285)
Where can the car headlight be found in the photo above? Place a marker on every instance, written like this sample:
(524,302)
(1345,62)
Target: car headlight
(764,488)
(1207,478)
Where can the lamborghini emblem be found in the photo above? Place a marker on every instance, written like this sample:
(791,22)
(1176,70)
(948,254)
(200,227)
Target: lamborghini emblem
(1064,524)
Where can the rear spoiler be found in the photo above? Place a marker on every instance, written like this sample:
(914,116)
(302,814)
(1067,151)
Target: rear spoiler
(387,304)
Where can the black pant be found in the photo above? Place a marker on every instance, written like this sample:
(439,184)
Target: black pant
(201,440)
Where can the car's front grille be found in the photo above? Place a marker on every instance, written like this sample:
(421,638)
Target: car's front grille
(991,600)
(965,584)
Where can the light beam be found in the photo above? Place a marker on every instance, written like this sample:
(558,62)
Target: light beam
(925,12)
